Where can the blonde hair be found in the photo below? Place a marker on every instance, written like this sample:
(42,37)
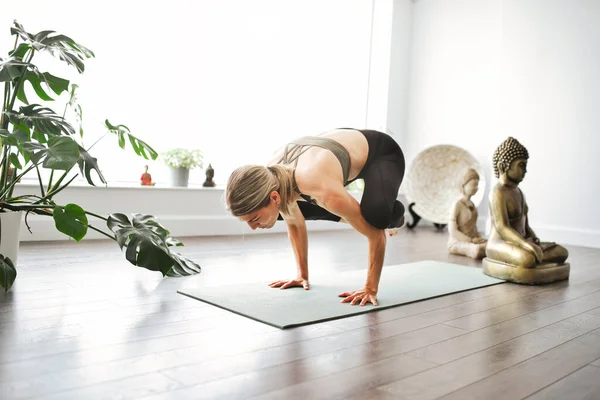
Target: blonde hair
(249,188)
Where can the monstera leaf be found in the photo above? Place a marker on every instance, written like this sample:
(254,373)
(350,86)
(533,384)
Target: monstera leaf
(36,78)
(71,220)
(147,243)
(87,163)
(15,138)
(8,272)
(11,69)
(60,46)
(42,120)
(139,146)
(60,153)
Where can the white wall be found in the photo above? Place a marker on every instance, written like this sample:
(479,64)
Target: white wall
(198,74)
(224,76)
(483,70)
(399,71)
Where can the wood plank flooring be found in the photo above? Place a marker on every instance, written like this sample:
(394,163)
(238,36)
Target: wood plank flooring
(82,323)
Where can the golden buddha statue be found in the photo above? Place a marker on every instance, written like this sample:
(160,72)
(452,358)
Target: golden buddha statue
(513,251)
(464,238)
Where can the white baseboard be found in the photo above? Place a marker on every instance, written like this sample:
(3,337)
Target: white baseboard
(568,236)
(559,234)
(180,226)
(187,226)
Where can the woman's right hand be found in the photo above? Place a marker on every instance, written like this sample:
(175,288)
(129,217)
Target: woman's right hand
(298,282)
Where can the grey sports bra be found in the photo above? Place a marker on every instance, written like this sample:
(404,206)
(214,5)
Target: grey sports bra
(295,149)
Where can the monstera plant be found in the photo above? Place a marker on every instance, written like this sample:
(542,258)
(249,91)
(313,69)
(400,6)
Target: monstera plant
(34,137)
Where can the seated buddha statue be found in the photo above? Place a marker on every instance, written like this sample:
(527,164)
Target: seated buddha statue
(464,238)
(514,252)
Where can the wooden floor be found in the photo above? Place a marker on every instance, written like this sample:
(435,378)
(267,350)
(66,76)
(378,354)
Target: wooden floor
(82,323)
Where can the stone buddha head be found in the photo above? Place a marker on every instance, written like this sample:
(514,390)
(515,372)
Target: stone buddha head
(510,159)
(469,184)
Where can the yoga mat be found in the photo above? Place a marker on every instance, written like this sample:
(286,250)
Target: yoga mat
(400,284)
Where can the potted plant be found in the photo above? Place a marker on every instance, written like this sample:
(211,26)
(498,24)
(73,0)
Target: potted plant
(180,162)
(34,137)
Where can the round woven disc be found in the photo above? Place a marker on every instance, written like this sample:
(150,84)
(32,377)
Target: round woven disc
(434,178)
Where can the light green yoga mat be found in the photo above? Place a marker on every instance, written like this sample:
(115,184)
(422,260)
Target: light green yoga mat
(400,284)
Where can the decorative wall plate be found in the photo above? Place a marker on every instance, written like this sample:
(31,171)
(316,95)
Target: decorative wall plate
(434,178)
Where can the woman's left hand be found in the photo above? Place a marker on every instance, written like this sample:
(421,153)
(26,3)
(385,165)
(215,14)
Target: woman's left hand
(363,296)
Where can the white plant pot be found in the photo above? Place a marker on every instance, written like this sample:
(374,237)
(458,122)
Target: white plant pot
(180,177)
(10,225)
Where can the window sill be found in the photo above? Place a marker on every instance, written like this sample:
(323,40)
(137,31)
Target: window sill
(124,185)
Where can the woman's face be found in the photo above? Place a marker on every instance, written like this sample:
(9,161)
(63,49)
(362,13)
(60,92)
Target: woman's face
(265,217)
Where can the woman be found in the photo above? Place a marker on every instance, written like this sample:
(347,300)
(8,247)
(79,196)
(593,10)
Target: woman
(306,181)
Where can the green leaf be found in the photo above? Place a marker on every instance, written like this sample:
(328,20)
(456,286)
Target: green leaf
(146,245)
(121,136)
(73,94)
(60,46)
(36,78)
(39,136)
(15,138)
(183,266)
(8,272)
(79,115)
(71,220)
(33,146)
(33,152)
(173,242)
(43,120)
(7,138)
(11,69)
(21,136)
(139,146)
(21,94)
(20,51)
(62,153)
(76,107)
(87,163)
(20,31)
(14,160)
(58,85)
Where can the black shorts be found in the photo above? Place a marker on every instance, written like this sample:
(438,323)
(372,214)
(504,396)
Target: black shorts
(383,173)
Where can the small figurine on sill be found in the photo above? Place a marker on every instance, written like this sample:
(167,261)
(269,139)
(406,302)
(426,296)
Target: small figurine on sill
(146,179)
(210,174)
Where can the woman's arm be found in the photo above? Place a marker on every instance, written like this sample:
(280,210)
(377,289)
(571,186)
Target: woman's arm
(299,240)
(298,235)
(336,199)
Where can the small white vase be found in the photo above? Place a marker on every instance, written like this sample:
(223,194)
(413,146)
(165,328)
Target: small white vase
(180,177)
(10,225)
